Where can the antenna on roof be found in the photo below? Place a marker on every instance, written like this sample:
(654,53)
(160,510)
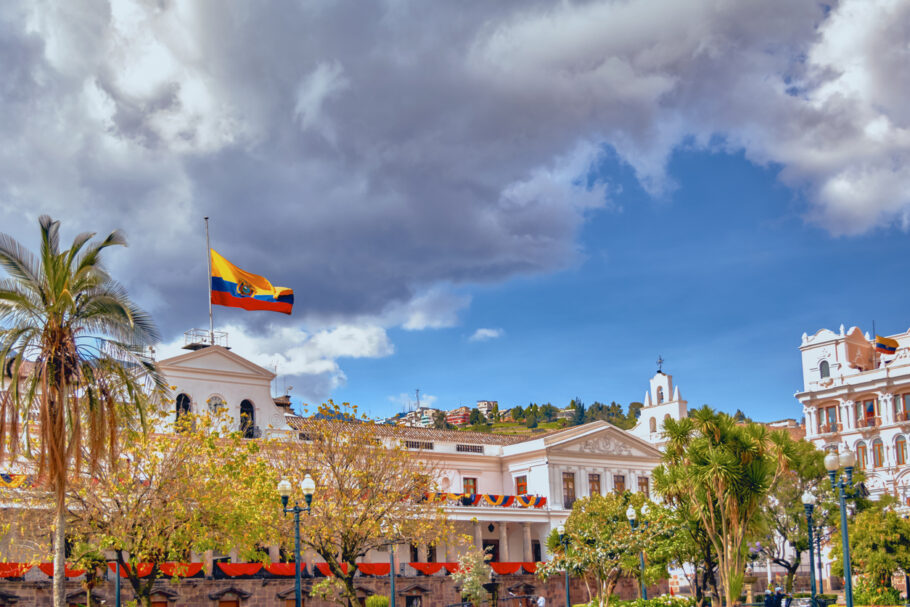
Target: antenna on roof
(417,392)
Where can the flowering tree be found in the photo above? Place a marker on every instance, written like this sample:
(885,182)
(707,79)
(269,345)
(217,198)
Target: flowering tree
(473,572)
(599,541)
(367,489)
(170,494)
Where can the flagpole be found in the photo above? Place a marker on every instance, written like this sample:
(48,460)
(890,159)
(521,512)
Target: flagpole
(208,263)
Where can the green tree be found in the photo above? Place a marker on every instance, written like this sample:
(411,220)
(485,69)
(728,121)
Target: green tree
(440,422)
(634,411)
(476,417)
(531,419)
(170,494)
(548,412)
(518,413)
(601,542)
(578,412)
(728,469)
(85,344)
(879,545)
(787,537)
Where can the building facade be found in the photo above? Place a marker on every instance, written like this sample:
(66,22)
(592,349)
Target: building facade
(854,398)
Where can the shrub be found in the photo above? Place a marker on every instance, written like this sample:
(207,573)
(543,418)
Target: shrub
(659,601)
(867,593)
(377,600)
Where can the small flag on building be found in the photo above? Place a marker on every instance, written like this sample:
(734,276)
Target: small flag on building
(885,345)
(236,288)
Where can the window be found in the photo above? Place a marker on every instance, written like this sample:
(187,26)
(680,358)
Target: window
(644,486)
(900,450)
(412,601)
(619,483)
(652,425)
(416,444)
(869,409)
(660,395)
(568,489)
(469,448)
(831,416)
(824,370)
(861,456)
(521,485)
(878,453)
(183,405)
(470,486)
(535,551)
(247,419)
(593,484)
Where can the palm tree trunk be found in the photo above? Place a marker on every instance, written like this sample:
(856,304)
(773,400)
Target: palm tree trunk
(60,557)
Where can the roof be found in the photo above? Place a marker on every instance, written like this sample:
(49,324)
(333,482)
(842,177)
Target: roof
(433,434)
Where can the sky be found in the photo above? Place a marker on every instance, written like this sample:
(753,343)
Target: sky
(519,201)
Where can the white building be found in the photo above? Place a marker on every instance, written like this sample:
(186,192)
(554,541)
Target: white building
(521,487)
(857,399)
(662,401)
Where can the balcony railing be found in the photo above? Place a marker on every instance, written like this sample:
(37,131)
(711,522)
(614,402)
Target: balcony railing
(829,428)
(868,422)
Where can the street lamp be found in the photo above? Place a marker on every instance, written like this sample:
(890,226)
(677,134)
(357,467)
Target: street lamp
(809,505)
(833,462)
(564,540)
(633,521)
(390,544)
(308,486)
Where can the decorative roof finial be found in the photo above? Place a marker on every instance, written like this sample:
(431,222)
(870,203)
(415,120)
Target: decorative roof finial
(660,364)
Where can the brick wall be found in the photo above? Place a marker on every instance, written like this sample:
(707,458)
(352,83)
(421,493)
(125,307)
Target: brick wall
(434,590)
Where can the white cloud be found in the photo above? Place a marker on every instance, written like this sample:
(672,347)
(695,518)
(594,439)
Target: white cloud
(312,358)
(486,334)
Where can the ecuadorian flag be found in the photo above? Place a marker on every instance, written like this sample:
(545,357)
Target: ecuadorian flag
(235,288)
(885,345)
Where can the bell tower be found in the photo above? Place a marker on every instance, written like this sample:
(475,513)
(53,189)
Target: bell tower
(661,401)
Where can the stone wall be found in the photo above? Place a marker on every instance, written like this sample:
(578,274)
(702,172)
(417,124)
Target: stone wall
(434,591)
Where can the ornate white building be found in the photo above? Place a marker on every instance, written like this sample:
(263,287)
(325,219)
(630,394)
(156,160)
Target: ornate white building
(855,398)
(548,470)
(662,401)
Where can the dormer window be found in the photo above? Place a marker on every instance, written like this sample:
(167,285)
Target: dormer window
(824,369)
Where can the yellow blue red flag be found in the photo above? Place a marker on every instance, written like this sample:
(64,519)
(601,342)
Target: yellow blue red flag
(885,345)
(237,288)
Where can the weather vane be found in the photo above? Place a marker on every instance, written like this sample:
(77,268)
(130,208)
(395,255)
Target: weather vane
(660,364)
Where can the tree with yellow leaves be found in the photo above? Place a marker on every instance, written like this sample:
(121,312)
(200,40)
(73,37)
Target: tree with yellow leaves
(367,488)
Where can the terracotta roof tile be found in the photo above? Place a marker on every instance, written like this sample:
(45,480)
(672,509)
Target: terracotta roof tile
(430,434)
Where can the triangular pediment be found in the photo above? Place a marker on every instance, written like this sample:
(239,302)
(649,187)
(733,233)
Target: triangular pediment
(215,359)
(601,439)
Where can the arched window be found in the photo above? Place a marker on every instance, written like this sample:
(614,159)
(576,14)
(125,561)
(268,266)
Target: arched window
(900,450)
(660,395)
(183,404)
(824,370)
(653,425)
(247,419)
(878,453)
(862,457)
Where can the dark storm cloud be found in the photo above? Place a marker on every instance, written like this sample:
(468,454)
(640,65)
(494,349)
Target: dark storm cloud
(376,155)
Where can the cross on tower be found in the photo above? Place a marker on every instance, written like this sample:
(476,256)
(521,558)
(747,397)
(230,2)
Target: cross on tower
(660,364)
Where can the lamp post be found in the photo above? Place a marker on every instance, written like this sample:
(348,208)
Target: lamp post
(390,544)
(809,505)
(564,540)
(633,521)
(833,462)
(818,556)
(116,582)
(308,486)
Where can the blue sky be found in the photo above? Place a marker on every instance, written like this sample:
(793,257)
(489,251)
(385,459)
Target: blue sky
(721,278)
(588,184)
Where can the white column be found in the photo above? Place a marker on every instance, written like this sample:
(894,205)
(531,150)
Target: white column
(274,553)
(478,535)
(422,553)
(526,542)
(848,415)
(886,408)
(503,543)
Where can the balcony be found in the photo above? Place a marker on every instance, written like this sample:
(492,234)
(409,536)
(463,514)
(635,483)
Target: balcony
(830,428)
(867,426)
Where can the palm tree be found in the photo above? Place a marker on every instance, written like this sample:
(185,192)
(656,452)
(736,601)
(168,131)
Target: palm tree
(720,472)
(73,346)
